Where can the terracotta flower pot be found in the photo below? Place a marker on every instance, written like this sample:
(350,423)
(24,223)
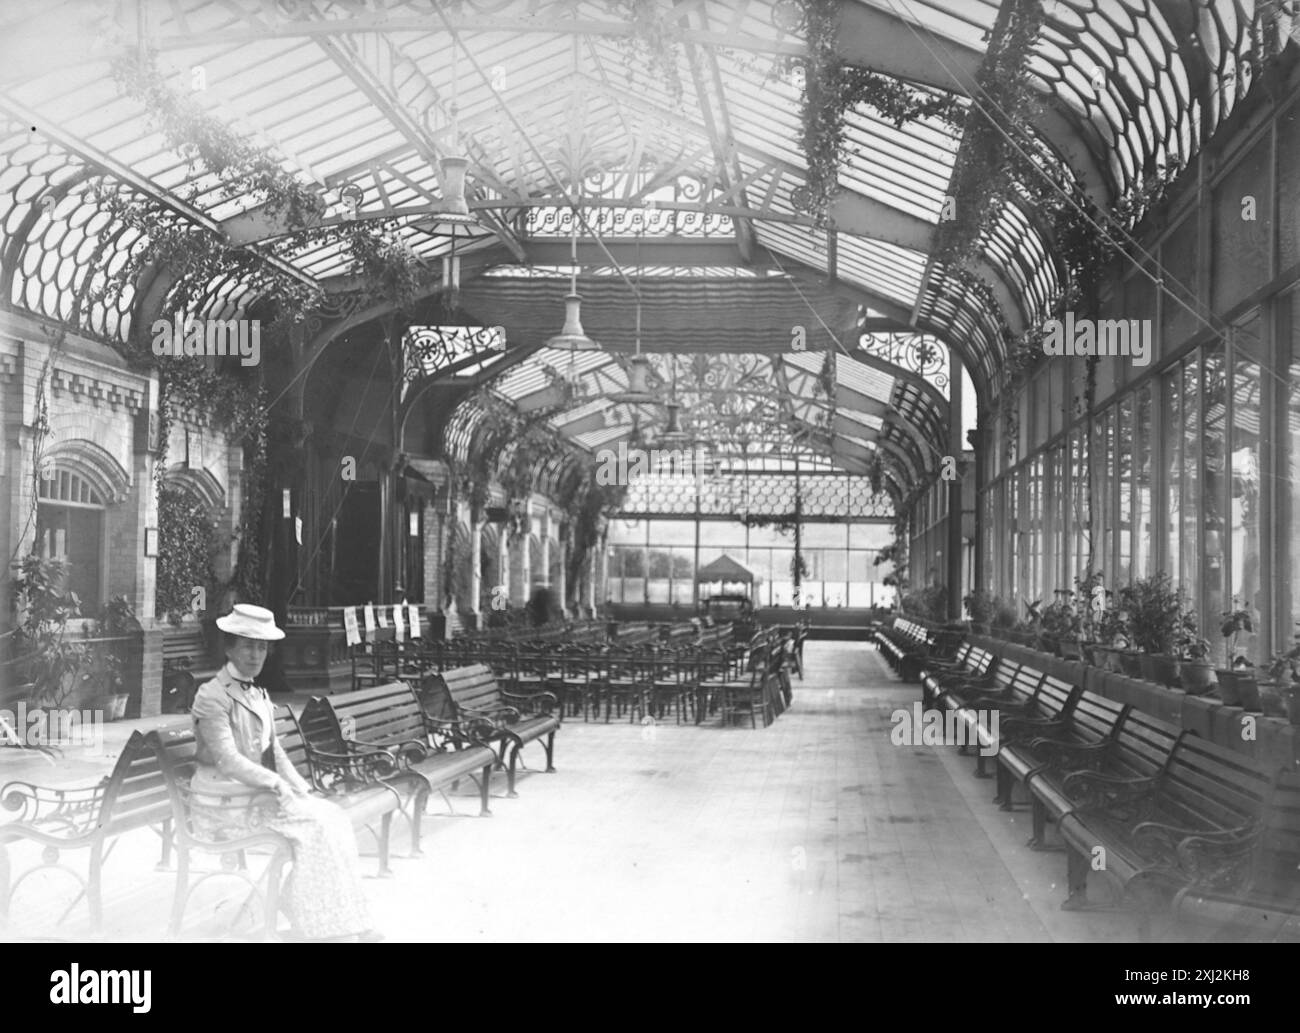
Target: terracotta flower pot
(1197,677)
(1130,662)
(1228,686)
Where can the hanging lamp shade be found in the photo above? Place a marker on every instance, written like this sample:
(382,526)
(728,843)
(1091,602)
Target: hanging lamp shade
(572,337)
(673,435)
(453,210)
(638,383)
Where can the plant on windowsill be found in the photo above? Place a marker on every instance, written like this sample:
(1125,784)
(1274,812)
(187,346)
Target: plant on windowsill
(1061,623)
(1237,684)
(982,605)
(1197,672)
(1277,691)
(1156,617)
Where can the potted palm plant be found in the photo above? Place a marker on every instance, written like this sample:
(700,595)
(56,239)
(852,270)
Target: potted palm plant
(1277,691)
(1156,614)
(1197,672)
(982,606)
(1233,678)
(1060,631)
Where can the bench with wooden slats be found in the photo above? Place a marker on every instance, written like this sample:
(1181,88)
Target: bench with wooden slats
(391,717)
(1252,887)
(91,818)
(909,646)
(1133,827)
(368,784)
(472,698)
(971,664)
(1043,708)
(365,801)
(1078,740)
(187,664)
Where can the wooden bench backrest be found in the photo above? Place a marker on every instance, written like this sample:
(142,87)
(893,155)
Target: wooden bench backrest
(470,688)
(1004,674)
(1026,682)
(136,795)
(1216,783)
(979,661)
(1055,696)
(292,740)
(381,714)
(1144,744)
(174,749)
(1095,718)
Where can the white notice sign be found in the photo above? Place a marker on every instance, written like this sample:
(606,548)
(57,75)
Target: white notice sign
(413,612)
(350,625)
(370,619)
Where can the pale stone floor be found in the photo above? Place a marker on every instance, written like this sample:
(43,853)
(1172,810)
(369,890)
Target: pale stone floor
(815,829)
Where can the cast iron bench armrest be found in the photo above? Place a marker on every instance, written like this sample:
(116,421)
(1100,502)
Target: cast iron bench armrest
(35,803)
(402,751)
(530,703)
(1019,728)
(1170,836)
(460,732)
(492,714)
(1000,703)
(369,764)
(1098,791)
(1219,863)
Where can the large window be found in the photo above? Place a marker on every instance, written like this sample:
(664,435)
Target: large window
(70,527)
(1289,323)
(655,561)
(1213,491)
(1245,496)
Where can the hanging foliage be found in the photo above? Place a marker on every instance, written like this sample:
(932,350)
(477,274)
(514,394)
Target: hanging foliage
(831,89)
(186,548)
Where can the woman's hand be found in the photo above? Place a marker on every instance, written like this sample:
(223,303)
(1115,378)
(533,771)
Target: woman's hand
(286,790)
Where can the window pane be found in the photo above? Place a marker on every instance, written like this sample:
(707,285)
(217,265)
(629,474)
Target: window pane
(1213,491)
(1245,497)
(1290,594)
(1142,526)
(1171,414)
(1124,483)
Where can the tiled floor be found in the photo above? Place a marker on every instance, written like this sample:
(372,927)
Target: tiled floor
(817,828)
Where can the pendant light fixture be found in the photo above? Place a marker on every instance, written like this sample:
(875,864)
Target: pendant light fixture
(673,435)
(453,210)
(638,366)
(572,337)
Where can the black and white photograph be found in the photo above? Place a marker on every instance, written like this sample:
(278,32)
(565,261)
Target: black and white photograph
(652,471)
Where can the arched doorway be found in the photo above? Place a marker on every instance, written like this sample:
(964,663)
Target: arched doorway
(70,527)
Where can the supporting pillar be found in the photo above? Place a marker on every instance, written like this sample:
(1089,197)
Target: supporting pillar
(436,529)
(562,589)
(955,448)
(475,567)
(545,539)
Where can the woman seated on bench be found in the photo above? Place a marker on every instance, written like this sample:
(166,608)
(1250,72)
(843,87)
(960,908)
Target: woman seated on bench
(238,756)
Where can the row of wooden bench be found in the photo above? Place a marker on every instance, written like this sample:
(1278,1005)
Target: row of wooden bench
(376,752)
(1171,820)
(906,645)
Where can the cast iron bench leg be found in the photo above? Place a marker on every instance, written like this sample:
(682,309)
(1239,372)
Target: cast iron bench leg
(1076,881)
(484,785)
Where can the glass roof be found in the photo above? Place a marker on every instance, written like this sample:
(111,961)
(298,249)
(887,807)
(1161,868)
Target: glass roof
(698,146)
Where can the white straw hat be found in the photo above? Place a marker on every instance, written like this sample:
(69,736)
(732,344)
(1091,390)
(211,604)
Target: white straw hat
(248,621)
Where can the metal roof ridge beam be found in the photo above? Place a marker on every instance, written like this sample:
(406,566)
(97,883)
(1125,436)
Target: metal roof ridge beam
(883,42)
